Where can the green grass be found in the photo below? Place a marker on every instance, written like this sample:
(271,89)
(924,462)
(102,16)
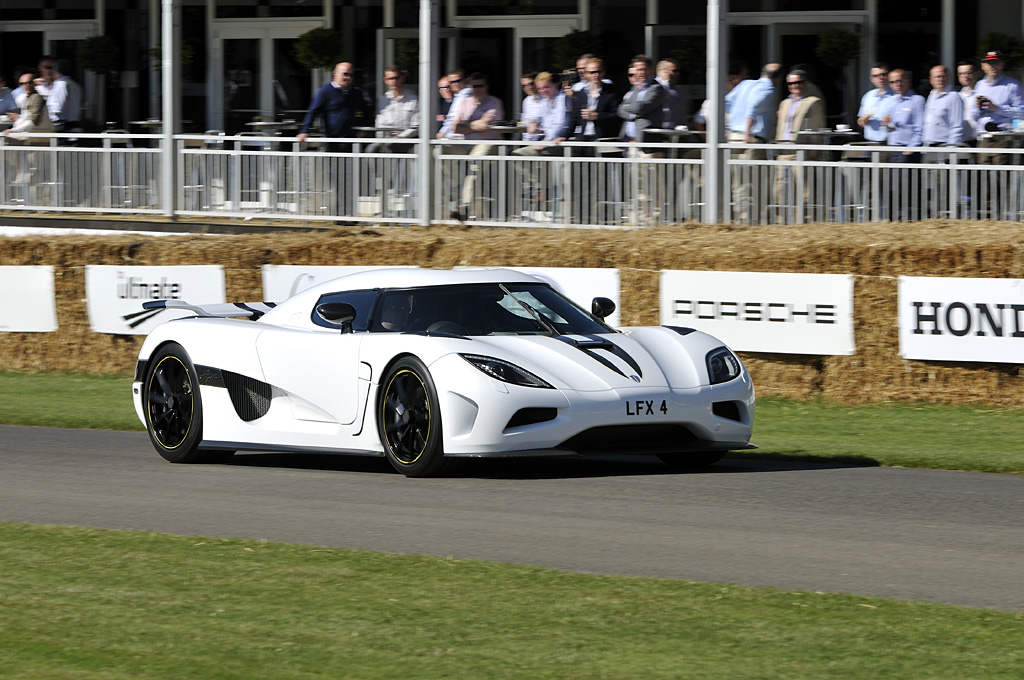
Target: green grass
(907,435)
(82,604)
(97,402)
(901,435)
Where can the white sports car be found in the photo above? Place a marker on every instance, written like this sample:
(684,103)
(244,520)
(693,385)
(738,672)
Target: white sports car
(427,366)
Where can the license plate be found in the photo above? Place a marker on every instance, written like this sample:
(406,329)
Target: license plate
(647,407)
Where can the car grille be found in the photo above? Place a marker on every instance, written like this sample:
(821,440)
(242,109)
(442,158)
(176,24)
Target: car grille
(632,439)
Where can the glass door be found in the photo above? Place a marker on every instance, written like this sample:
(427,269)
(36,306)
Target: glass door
(254,75)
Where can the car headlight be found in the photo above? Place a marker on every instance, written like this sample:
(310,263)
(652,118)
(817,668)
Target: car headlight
(505,371)
(723,365)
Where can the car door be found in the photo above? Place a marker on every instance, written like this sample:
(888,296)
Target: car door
(319,369)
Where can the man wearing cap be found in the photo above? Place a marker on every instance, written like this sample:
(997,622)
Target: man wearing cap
(998,99)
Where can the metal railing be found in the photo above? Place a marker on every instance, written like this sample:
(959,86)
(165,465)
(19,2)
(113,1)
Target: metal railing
(111,173)
(592,185)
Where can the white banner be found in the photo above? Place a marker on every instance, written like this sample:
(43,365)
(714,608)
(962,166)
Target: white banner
(945,319)
(282,281)
(27,300)
(582,285)
(114,295)
(763,312)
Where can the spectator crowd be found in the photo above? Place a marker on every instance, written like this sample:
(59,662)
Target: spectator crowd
(46,99)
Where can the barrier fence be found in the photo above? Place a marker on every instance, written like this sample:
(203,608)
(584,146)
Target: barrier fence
(505,183)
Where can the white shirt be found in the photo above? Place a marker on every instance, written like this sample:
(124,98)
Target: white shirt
(65,100)
(402,111)
(531,110)
(970,103)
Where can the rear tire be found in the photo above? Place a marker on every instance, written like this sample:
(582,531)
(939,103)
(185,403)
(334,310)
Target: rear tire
(691,460)
(173,407)
(409,420)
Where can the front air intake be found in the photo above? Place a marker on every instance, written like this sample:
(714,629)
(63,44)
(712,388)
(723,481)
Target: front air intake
(727,409)
(531,416)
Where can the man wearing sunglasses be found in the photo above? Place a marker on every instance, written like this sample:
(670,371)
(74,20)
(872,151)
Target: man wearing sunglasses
(799,112)
(459,91)
(33,115)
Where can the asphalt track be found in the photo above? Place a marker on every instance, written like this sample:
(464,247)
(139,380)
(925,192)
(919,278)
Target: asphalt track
(950,537)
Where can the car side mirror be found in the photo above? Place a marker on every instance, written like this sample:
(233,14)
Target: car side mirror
(341,314)
(602,307)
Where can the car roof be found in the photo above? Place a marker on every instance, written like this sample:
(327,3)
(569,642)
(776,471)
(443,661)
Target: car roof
(412,277)
(404,277)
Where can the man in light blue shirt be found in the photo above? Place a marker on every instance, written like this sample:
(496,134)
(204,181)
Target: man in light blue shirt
(752,116)
(943,111)
(903,116)
(999,96)
(751,121)
(873,104)
(998,101)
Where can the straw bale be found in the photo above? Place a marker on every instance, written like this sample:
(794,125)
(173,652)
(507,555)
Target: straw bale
(876,254)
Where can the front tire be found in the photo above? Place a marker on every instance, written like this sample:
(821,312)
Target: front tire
(409,420)
(174,409)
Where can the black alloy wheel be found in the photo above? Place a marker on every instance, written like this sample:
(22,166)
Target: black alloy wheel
(409,420)
(174,413)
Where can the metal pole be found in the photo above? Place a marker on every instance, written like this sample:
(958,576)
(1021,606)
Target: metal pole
(429,54)
(717,51)
(169,75)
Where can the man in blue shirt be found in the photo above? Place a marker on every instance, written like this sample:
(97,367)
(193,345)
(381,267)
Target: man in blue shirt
(873,104)
(943,111)
(903,116)
(341,106)
(751,121)
(752,116)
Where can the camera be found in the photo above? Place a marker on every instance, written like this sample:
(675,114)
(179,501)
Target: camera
(570,77)
(983,101)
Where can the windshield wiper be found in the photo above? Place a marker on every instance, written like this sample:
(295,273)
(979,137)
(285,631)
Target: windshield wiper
(538,317)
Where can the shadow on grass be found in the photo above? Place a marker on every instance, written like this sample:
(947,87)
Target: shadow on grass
(559,467)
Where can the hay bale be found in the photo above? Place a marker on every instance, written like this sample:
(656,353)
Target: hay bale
(875,253)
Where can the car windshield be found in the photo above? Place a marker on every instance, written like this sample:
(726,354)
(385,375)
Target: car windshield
(483,309)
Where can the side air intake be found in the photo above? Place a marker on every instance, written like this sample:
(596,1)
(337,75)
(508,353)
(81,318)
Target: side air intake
(250,397)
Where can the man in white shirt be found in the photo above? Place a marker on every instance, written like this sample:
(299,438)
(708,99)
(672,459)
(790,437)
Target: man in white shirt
(967,74)
(397,109)
(65,100)
(530,108)
(551,118)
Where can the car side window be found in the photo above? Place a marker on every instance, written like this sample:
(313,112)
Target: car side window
(361,300)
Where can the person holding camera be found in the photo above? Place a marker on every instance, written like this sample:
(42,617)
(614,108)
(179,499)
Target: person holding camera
(998,102)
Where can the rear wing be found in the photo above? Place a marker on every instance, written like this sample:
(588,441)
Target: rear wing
(252,310)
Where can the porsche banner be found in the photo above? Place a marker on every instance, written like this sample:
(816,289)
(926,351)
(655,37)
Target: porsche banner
(114,295)
(946,319)
(763,312)
(28,304)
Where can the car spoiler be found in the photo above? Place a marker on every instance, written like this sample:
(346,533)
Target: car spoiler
(252,310)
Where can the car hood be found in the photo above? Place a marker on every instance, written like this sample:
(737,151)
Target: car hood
(591,362)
